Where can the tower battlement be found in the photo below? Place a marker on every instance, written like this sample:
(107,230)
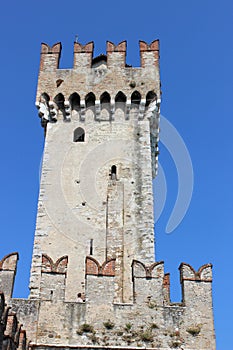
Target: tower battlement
(94,280)
(100,320)
(93,81)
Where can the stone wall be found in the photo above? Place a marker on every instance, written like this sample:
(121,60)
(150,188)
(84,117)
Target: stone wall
(12,336)
(150,321)
(95,226)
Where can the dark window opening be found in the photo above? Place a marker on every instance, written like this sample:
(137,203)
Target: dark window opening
(120,97)
(91,246)
(79,135)
(105,102)
(136,98)
(75,101)
(44,98)
(59,100)
(120,100)
(90,100)
(150,97)
(113,172)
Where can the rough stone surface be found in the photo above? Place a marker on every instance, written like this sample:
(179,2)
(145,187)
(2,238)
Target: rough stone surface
(95,226)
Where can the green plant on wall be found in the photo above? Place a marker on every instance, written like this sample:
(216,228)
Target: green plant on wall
(194,330)
(108,324)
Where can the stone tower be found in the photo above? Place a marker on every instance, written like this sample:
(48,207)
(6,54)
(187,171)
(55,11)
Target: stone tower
(95,229)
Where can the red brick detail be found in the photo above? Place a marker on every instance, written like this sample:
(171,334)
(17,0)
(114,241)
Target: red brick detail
(108,268)
(46,263)
(121,47)
(9,262)
(204,273)
(166,287)
(22,340)
(56,48)
(166,280)
(88,48)
(153,46)
(11,326)
(145,48)
(93,267)
(54,51)
(60,266)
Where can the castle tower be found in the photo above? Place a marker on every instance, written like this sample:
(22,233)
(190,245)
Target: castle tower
(101,123)
(94,233)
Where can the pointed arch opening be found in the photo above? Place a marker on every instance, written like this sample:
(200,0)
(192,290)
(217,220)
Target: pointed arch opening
(44,98)
(59,100)
(90,100)
(79,135)
(120,97)
(105,99)
(150,97)
(74,100)
(135,99)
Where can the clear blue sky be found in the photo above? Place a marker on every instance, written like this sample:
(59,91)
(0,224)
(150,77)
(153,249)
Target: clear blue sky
(197,85)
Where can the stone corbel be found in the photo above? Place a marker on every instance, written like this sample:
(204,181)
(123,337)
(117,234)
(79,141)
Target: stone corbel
(97,108)
(67,109)
(52,111)
(43,110)
(152,108)
(142,108)
(128,106)
(83,109)
(112,108)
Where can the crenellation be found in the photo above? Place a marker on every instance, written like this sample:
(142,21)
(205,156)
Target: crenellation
(8,266)
(149,53)
(83,55)
(94,280)
(116,54)
(50,57)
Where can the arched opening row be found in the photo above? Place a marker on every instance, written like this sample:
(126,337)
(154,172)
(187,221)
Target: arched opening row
(105,98)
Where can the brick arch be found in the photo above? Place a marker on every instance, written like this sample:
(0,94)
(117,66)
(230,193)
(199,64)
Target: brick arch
(61,264)
(120,47)
(9,261)
(139,269)
(188,273)
(89,47)
(56,48)
(93,267)
(108,267)
(49,266)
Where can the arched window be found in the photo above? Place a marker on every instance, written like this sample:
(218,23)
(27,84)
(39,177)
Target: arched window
(75,101)
(113,172)
(90,100)
(136,98)
(105,97)
(44,98)
(79,135)
(151,96)
(59,100)
(120,97)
